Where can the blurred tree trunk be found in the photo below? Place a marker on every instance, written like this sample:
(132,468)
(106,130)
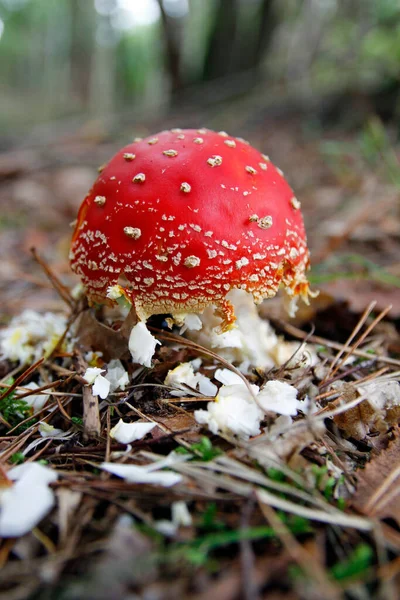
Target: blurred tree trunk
(241,34)
(218,59)
(82,44)
(173,30)
(102,72)
(268,22)
(256,25)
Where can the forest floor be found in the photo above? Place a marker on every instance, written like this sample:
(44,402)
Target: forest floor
(309,508)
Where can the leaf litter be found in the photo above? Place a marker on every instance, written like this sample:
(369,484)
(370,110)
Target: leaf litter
(286,425)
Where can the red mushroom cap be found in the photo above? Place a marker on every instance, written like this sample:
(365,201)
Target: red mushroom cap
(185,216)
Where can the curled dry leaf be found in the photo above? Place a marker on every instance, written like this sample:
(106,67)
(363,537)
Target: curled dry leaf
(377,413)
(378,490)
(93,334)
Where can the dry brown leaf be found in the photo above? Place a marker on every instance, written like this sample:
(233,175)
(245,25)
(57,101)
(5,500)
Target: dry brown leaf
(93,335)
(182,421)
(378,490)
(379,412)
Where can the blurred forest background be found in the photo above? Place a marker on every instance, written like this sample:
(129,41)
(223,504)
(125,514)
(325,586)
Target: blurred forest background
(313,83)
(128,60)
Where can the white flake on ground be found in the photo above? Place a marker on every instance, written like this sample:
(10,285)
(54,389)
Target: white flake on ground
(181,516)
(237,410)
(100,385)
(142,345)
(233,411)
(91,373)
(382,395)
(27,501)
(137,474)
(48,431)
(381,408)
(125,433)
(167,528)
(117,375)
(183,375)
(150,473)
(228,377)
(253,343)
(291,355)
(279,397)
(191,322)
(228,339)
(37,401)
(31,335)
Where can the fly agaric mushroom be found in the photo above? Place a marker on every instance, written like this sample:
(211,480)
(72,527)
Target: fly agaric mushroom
(178,219)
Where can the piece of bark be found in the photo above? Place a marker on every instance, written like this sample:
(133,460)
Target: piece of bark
(91,415)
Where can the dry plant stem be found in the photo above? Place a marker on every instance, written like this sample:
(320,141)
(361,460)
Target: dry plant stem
(26,392)
(357,383)
(108,443)
(356,329)
(391,536)
(389,570)
(362,338)
(333,517)
(338,462)
(5,550)
(40,452)
(300,555)
(14,447)
(91,415)
(62,291)
(4,422)
(316,339)
(327,413)
(21,378)
(329,515)
(10,374)
(240,471)
(387,376)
